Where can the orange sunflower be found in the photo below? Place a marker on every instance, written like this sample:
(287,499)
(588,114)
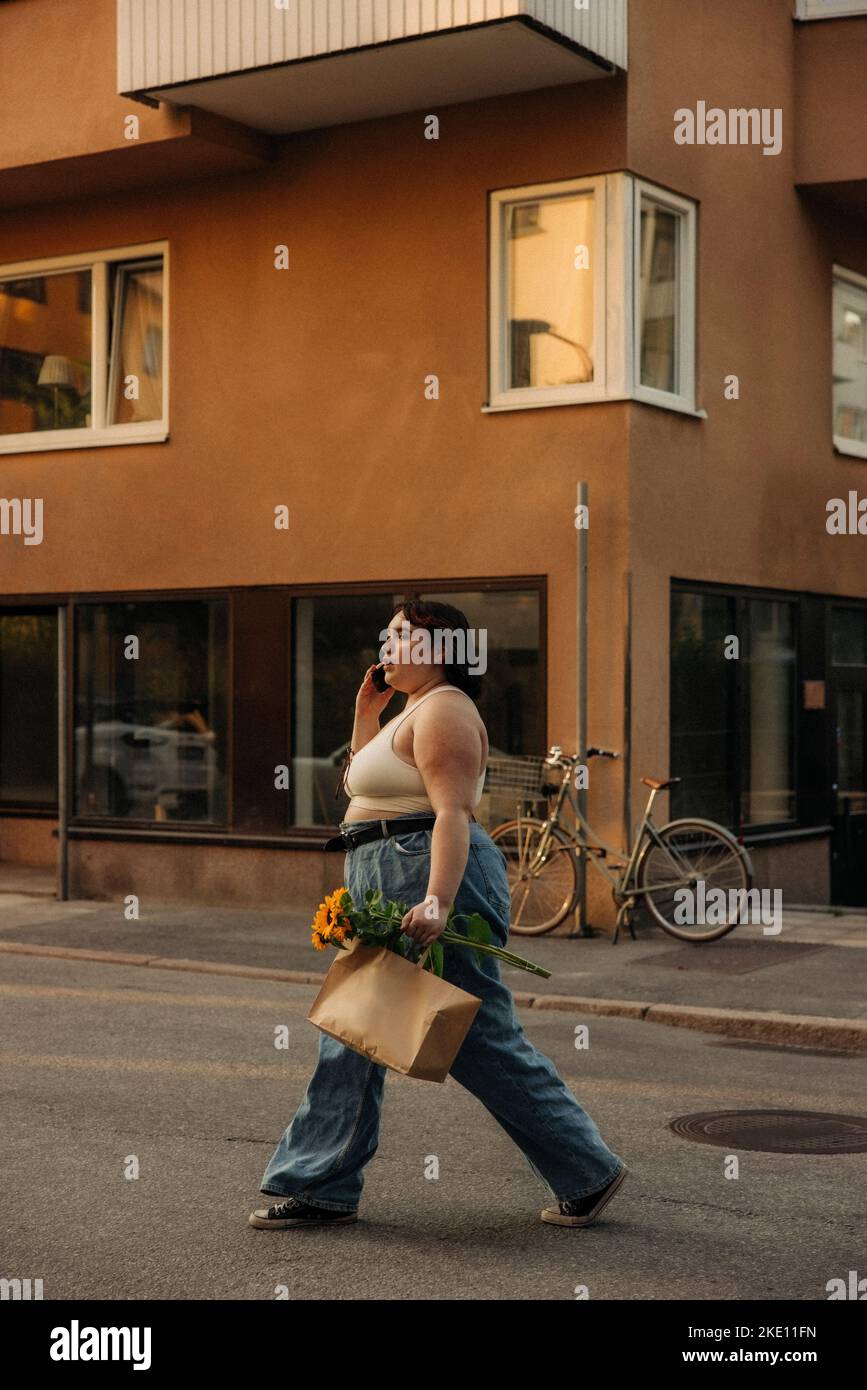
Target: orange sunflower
(331,923)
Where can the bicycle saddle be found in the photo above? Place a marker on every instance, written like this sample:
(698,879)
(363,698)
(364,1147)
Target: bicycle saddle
(660,786)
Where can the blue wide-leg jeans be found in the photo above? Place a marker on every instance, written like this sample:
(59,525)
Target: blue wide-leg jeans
(335,1130)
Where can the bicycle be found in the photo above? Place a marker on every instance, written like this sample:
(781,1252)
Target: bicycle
(542,856)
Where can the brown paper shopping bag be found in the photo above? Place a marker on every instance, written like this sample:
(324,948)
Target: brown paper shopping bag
(391,1010)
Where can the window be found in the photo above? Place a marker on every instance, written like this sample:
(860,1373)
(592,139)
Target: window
(548,295)
(592,294)
(150,722)
(664,276)
(850,728)
(336,637)
(849,637)
(28,708)
(850,362)
(733,717)
(82,350)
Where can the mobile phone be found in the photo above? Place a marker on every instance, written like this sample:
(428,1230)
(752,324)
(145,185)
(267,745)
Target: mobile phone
(379,681)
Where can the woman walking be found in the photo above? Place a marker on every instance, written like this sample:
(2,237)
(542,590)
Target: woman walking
(410,831)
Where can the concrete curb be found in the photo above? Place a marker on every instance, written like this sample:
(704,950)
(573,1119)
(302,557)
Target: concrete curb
(847,1034)
(201,967)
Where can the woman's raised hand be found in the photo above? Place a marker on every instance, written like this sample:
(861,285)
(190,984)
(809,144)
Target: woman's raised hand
(369,700)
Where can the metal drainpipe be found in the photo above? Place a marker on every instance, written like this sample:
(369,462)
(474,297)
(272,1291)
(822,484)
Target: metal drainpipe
(62,798)
(627,719)
(581,694)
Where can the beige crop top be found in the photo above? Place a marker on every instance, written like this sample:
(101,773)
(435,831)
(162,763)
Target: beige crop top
(378,778)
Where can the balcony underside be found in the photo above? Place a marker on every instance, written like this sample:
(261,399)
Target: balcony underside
(197,146)
(408,75)
(830,113)
(846,196)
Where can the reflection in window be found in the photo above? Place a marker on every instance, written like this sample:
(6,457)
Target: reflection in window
(150,731)
(45,347)
(702,709)
(135,384)
(28,708)
(658,290)
(550,298)
(851,736)
(767,671)
(32,288)
(337,637)
(849,637)
(733,720)
(850,360)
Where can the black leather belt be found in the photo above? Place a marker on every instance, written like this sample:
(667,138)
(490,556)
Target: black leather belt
(351,839)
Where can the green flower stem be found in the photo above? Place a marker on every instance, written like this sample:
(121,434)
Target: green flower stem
(450,935)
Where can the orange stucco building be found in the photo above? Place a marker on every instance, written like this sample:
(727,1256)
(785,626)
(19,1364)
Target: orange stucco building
(365,292)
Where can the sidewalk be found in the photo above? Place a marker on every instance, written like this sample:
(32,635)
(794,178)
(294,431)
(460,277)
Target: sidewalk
(803,987)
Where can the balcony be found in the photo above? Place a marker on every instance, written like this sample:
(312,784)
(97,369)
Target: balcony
(63,125)
(829,108)
(311,63)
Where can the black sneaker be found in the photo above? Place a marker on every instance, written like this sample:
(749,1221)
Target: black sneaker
(582,1211)
(294,1212)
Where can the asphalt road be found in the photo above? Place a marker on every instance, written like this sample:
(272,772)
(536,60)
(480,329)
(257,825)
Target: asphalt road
(179,1069)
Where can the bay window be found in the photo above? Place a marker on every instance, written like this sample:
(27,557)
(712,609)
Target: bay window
(664,277)
(850,362)
(592,294)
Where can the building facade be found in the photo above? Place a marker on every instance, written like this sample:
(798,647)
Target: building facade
(307,307)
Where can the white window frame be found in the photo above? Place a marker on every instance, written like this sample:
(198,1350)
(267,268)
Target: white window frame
(684,398)
(96,434)
(829,9)
(617,328)
(501,394)
(853,447)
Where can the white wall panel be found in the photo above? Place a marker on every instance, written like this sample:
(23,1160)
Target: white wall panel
(165,41)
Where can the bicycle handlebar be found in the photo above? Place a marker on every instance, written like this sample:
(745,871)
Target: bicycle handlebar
(556,756)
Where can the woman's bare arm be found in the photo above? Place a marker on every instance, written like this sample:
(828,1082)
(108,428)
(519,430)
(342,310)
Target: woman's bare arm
(447,748)
(369,704)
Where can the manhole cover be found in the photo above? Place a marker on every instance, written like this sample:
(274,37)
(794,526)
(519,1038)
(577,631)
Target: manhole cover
(730,957)
(775,1131)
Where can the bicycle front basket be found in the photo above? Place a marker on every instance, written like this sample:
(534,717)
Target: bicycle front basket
(526,775)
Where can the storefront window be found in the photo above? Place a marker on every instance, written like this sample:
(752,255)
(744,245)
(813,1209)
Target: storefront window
(337,637)
(767,670)
(28,708)
(150,710)
(733,708)
(849,637)
(702,711)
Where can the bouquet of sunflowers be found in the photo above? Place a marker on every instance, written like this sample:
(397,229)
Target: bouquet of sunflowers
(378,923)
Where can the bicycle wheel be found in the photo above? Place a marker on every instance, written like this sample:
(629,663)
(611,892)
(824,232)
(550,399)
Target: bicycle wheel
(543,896)
(694,851)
